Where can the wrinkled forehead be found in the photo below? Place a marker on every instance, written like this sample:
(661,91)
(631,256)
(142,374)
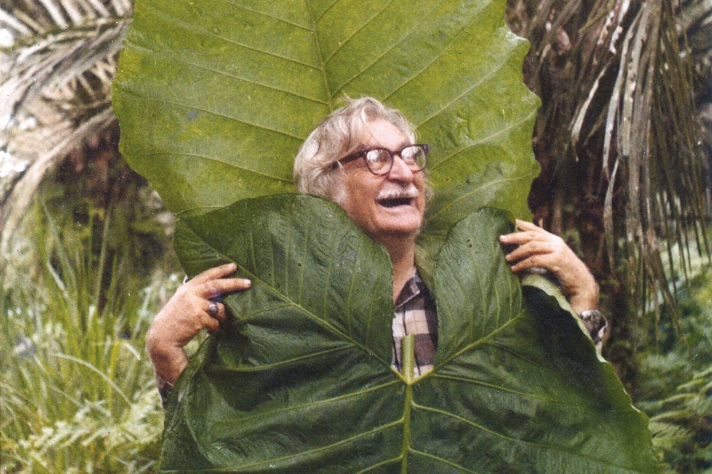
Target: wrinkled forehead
(376,132)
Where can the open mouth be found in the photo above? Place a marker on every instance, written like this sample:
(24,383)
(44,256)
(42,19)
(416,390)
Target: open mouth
(395,202)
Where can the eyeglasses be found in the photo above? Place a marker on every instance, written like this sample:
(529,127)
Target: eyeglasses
(380,160)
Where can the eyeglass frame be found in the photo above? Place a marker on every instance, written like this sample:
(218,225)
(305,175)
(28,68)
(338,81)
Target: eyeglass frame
(362,154)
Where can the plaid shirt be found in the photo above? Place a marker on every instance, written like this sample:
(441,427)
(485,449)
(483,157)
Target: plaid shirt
(415,314)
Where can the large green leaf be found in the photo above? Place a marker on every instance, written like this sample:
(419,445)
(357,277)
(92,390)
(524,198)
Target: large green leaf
(300,379)
(215,97)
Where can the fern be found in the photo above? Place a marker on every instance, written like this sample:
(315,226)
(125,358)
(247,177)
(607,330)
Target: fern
(675,389)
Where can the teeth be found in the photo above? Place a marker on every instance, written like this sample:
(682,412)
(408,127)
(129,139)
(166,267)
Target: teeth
(395,197)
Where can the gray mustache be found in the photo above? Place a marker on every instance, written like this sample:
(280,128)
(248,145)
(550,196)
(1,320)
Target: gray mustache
(410,192)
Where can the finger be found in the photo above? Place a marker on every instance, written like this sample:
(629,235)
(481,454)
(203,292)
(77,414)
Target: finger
(519,238)
(218,313)
(528,226)
(535,230)
(529,249)
(525,226)
(213,309)
(222,313)
(211,324)
(215,288)
(215,272)
(540,261)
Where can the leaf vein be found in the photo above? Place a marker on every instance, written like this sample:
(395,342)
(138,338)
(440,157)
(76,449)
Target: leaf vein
(192,27)
(318,450)
(331,5)
(444,461)
(481,141)
(474,191)
(211,112)
(474,86)
(267,15)
(318,402)
(179,59)
(476,343)
(435,58)
(515,440)
(217,160)
(502,388)
(355,32)
(320,55)
(285,362)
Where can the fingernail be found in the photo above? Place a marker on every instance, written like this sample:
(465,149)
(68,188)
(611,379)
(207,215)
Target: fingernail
(248,283)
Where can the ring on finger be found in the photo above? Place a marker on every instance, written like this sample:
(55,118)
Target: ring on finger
(213,309)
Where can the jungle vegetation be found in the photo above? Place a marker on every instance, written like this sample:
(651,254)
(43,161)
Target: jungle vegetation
(622,136)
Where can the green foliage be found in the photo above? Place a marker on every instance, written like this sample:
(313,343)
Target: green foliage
(77,389)
(215,98)
(84,196)
(675,387)
(300,379)
(625,161)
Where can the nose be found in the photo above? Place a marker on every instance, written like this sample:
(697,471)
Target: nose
(400,171)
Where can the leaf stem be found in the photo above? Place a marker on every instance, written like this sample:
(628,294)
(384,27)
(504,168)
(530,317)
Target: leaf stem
(408,357)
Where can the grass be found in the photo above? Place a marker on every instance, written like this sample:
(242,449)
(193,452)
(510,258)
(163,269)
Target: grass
(76,389)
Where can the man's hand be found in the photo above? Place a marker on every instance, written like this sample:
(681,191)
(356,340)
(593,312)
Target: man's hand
(539,248)
(186,314)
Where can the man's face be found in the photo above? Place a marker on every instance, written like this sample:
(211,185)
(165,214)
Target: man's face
(385,206)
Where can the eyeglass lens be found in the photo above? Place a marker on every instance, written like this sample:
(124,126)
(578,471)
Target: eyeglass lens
(380,161)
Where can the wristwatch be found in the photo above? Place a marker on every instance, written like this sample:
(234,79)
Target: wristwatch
(593,317)
(595,323)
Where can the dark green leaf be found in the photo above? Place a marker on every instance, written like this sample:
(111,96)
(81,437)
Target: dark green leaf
(300,380)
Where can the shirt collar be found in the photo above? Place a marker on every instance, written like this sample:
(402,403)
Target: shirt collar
(412,288)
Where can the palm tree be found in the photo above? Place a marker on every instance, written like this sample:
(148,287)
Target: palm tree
(624,163)
(57,60)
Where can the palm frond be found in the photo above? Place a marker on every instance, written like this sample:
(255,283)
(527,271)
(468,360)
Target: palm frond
(56,85)
(623,166)
(696,22)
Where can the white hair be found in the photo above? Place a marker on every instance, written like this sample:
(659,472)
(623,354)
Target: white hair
(338,135)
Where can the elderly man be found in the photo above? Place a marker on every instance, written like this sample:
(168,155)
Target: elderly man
(364,158)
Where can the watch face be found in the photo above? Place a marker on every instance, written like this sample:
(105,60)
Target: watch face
(594,319)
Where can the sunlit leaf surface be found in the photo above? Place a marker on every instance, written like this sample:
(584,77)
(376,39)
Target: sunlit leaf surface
(215,97)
